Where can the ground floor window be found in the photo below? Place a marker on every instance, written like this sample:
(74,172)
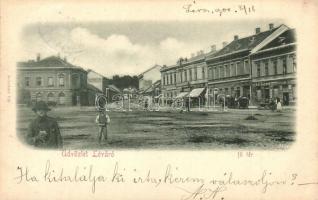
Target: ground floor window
(50,97)
(61,98)
(38,97)
(258,94)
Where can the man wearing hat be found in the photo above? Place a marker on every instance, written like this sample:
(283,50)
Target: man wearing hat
(43,131)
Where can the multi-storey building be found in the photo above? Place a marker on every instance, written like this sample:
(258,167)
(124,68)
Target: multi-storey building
(258,67)
(52,80)
(274,70)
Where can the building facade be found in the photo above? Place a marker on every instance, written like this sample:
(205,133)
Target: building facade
(259,67)
(187,75)
(53,80)
(274,70)
(149,77)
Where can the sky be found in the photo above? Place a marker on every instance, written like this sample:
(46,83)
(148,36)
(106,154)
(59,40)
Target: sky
(130,47)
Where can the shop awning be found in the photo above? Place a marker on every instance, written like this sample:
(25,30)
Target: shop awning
(181,95)
(196,92)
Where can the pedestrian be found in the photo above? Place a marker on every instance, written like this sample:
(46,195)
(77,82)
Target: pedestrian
(44,131)
(278,105)
(146,104)
(272,104)
(102,120)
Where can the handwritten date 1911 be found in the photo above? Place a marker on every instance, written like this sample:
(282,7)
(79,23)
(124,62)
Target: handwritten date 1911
(240,9)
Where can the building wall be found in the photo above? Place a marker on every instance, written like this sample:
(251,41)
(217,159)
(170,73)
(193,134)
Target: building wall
(273,85)
(149,77)
(95,79)
(52,88)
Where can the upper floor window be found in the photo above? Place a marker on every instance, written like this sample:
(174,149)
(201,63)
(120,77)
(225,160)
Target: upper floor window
(164,79)
(258,67)
(195,73)
(294,63)
(61,80)
(284,66)
(203,73)
(185,75)
(222,69)
(190,75)
(210,75)
(27,81)
(232,70)
(175,77)
(216,72)
(266,68)
(181,76)
(275,66)
(50,81)
(38,81)
(238,69)
(246,67)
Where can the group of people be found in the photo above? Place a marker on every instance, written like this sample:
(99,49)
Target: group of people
(275,105)
(44,131)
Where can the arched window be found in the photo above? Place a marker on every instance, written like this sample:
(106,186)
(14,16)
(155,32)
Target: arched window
(61,80)
(75,81)
(50,97)
(38,96)
(61,98)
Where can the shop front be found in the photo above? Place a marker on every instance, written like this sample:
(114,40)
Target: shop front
(285,90)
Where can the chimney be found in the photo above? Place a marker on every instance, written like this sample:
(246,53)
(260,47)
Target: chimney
(198,53)
(271,26)
(192,55)
(201,52)
(257,30)
(38,57)
(58,55)
(213,48)
(235,37)
(224,44)
(65,59)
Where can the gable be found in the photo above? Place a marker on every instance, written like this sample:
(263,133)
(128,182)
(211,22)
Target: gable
(286,38)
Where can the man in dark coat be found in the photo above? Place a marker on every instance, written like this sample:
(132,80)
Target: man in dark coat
(43,131)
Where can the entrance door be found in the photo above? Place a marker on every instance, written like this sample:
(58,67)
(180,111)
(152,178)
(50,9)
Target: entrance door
(266,94)
(285,98)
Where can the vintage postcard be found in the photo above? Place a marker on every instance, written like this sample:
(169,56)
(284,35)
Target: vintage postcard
(185,99)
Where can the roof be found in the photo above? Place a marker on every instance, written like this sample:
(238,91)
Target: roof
(90,70)
(288,37)
(49,62)
(151,68)
(185,61)
(244,44)
(92,87)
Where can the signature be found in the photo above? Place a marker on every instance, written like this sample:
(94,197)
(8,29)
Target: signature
(202,192)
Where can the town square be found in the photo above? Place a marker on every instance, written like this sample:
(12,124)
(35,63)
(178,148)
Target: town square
(241,95)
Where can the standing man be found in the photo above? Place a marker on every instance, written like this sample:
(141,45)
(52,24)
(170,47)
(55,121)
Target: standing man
(102,120)
(44,131)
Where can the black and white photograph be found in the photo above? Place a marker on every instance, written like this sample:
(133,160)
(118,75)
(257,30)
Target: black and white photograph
(158,100)
(158,85)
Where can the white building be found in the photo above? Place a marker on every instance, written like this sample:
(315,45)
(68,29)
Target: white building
(148,77)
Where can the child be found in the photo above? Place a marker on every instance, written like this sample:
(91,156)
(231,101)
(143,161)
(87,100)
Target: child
(102,120)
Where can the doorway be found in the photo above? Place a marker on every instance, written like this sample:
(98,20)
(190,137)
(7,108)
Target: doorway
(286,98)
